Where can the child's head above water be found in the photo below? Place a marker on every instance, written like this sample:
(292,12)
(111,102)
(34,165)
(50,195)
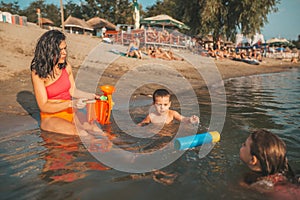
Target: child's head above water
(264,152)
(265,155)
(162,101)
(161,93)
(162,114)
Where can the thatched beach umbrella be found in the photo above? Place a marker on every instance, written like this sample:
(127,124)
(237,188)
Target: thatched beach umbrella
(278,42)
(272,40)
(46,21)
(164,21)
(75,24)
(98,22)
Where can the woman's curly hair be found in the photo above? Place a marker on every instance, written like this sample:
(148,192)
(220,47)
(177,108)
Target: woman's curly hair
(47,53)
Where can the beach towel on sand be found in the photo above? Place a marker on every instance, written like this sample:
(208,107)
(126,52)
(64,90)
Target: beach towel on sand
(115,51)
(249,61)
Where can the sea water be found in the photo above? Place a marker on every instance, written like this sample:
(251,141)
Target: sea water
(40,165)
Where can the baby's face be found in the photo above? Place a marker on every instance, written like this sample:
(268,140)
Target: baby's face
(162,104)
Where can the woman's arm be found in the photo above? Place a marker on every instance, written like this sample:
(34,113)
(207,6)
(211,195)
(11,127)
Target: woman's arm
(41,97)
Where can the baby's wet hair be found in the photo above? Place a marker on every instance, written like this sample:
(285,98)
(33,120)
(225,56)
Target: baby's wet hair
(161,93)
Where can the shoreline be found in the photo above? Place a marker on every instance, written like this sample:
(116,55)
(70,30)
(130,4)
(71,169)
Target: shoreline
(19,112)
(20,82)
(17,99)
(17,52)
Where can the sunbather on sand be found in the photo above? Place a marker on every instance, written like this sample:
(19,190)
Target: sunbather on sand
(173,57)
(160,53)
(133,49)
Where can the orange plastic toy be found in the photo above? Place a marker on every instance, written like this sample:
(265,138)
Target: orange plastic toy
(91,111)
(104,107)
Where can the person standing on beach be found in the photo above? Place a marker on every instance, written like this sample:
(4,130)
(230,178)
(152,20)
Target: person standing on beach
(54,87)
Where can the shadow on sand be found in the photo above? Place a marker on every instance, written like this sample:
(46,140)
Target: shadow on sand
(27,100)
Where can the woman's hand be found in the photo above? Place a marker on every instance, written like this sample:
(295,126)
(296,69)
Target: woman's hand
(79,103)
(97,96)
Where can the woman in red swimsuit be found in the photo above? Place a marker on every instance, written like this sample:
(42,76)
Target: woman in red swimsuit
(54,86)
(265,154)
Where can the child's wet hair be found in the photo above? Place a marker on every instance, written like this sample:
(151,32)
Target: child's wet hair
(161,93)
(270,150)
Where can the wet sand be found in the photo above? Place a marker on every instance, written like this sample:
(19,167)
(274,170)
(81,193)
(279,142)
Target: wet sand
(18,109)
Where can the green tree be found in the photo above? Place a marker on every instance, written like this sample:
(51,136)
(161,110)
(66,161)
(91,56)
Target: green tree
(189,13)
(90,9)
(73,9)
(123,12)
(31,11)
(162,7)
(13,8)
(52,12)
(115,11)
(218,17)
(49,11)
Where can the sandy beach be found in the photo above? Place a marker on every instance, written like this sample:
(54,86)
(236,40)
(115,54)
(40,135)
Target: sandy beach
(17,49)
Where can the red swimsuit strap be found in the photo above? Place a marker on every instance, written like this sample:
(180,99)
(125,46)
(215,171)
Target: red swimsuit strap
(60,89)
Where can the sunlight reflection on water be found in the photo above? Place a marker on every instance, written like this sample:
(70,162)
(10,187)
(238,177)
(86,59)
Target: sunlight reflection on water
(43,165)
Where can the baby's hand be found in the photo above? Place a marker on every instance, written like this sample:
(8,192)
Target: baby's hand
(194,119)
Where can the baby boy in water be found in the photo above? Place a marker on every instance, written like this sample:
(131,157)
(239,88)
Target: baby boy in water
(162,113)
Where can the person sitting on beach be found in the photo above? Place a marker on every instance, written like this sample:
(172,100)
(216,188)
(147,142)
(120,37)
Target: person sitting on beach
(211,52)
(160,53)
(173,57)
(243,55)
(265,154)
(151,51)
(164,36)
(217,54)
(161,114)
(259,56)
(151,35)
(225,51)
(157,52)
(54,87)
(134,49)
(294,60)
(255,54)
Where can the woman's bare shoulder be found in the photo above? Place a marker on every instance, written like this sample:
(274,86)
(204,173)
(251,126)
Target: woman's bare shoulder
(69,68)
(36,77)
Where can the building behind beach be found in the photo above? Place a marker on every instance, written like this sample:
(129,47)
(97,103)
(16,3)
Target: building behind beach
(7,17)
